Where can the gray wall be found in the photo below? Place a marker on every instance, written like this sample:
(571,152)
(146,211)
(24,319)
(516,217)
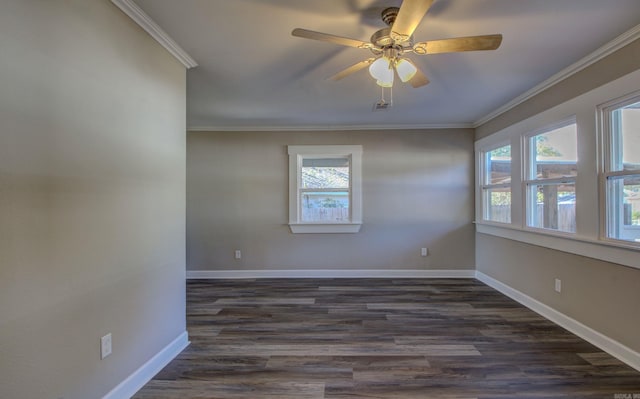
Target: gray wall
(614,66)
(417,192)
(92,197)
(601,295)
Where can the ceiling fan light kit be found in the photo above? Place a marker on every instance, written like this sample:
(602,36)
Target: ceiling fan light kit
(390,44)
(382,71)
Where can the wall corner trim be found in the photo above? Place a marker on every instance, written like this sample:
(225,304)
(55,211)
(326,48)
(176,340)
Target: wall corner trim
(141,18)
(147,371)
(609,345)
(329,273)
(616,44)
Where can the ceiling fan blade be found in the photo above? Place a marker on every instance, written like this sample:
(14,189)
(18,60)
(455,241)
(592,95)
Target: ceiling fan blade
(353,68)
(419,79)
(410,14)
(471,43)
(325,37)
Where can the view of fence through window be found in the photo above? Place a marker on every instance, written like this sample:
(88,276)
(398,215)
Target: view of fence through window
(325,190)
(552,188)
(623,188)
(497,185)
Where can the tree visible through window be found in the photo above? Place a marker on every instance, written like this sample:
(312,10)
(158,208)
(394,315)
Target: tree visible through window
(551,182)
(325,188)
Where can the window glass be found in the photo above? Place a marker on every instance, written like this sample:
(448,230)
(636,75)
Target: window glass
(552,169)
(325,173)
(496,189)
(555,153)
(626,121)
(325,188)
(498,202)
(499,165)
(623,176)
(325,206)
(553,206)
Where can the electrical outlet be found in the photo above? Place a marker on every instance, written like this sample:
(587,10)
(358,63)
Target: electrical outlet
(238,254)
(424,252)
(105,346)
(558,285)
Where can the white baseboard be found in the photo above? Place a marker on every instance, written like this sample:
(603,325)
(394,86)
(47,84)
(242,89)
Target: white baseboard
(612,347)
(328,273)
(133,383)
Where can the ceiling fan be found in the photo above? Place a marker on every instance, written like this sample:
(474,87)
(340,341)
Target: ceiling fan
(389,45)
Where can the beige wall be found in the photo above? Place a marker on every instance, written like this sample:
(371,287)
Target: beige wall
(92,197)
(599,294)
(417,190)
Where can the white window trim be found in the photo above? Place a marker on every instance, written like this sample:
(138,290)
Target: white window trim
(587,241)
(483,185)
(296,154)
(529,176)
(605,164)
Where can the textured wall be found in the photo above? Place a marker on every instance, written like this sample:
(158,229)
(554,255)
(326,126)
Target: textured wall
(417,192)
(92,197)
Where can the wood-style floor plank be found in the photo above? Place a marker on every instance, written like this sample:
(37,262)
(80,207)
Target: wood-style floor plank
(378,338)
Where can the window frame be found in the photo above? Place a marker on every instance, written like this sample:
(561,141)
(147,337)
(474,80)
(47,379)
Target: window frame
(297,154)
(485,186)
(529,176)
(609,156)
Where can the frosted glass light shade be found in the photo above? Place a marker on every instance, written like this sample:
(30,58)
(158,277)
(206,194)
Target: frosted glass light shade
(380,70)
(406,70)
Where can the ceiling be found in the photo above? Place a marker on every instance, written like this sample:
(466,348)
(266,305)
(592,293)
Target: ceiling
(252,74)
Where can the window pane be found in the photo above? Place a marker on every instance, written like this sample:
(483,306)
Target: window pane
(498,205)
(325,173)
(498,166)
(623,199)
(330,207)
(555,153)
(553,206)
(626,124)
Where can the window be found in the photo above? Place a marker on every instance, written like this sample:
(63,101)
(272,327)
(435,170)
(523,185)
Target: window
(550,180)
(496,185)
(621,133)
(325,189)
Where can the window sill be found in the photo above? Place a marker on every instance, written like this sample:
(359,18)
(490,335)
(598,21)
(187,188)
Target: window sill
(305,228)
(606,250)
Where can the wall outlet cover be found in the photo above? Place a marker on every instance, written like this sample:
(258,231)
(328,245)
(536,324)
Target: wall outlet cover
(105,346)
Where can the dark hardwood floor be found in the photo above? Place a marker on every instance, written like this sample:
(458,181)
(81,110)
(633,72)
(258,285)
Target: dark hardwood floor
(378,338)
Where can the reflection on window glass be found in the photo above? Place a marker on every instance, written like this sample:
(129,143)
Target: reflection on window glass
(627,123)
(325,206)
(623,190)
(325,173)
(499,165)
(555,153)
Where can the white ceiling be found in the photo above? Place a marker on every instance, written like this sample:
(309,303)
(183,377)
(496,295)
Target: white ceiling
(253,74)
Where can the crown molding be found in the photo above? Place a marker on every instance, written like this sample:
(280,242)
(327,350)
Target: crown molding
(614,45)
(141,18)
(306,128)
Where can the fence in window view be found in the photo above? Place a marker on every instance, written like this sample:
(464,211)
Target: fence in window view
(566,215)
(339,215)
